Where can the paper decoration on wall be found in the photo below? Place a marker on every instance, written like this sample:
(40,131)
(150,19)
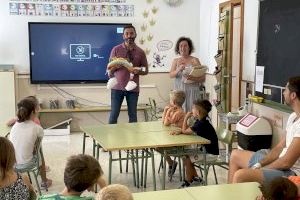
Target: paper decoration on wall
(150,37)
(158,60)
(147,51)
(164,45)
(71,1)
(71,10)
(141,41)
(145,14)
(143,27)
(152,22)
(154,10)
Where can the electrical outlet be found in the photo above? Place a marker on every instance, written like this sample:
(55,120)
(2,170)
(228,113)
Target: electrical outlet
(278,120)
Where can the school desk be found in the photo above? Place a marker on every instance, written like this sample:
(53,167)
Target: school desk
(141,135)
(244,191)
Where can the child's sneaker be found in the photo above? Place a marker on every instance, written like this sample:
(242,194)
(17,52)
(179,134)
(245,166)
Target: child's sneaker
(172,168)
(185,184)
(46,184)
(196,180)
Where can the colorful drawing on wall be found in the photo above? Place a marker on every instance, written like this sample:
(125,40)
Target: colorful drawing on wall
(13,9)
(71,10)
(71,1)
(158,60)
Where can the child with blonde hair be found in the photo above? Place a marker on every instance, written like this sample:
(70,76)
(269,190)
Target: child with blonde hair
(115,192)
(174,115)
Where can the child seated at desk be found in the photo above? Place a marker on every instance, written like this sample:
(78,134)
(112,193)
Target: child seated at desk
(25,134)
(115,192)
(174,115)
(82,172)
(202,127)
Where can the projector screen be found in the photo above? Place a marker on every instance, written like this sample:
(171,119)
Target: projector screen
(71,52)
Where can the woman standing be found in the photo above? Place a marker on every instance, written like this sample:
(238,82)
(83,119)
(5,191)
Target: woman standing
(181,66)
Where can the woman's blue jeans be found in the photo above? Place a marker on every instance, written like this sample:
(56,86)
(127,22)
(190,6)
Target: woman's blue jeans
(117,97)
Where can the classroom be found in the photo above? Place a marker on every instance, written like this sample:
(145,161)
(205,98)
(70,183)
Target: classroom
(149,99)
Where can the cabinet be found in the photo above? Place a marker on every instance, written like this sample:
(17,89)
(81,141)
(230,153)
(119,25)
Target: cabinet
(7,94)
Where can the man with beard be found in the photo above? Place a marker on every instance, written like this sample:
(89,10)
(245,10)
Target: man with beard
(130,51)
(283,160)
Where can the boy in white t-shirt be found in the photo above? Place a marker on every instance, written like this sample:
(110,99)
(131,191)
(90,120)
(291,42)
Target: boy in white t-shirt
(26,135)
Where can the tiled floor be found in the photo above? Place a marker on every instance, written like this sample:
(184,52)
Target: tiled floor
(58,148)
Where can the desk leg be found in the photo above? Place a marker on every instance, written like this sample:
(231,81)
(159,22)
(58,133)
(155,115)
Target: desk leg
(97,151)
(163,186)
(94,146)
(137,169)
(153,170)
(204,165)
(146,167)
(142,166)
(146,115)
(83,143)
(109,167)
(133,167)
(120,157)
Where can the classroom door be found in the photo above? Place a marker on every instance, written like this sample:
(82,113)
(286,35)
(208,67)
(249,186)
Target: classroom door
(236,58)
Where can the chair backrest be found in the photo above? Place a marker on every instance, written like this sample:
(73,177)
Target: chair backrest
(153,109)
(225,135)
(34,163)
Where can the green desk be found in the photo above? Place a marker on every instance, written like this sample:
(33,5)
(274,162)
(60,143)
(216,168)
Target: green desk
(141,135)
(141,107)
(244,191)
(4,130)
(177,194)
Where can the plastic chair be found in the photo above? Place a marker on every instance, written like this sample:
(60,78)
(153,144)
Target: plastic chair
(33,165)
(225,136)
(155,113)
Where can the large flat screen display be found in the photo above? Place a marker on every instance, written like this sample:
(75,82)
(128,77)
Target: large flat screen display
(71,52)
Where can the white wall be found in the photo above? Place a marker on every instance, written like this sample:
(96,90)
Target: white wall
(209,10)
(171,23)
(250,39)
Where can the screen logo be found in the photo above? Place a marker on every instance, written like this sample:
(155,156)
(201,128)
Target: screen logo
(80,52)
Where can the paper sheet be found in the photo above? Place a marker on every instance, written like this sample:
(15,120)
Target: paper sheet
(259,78)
